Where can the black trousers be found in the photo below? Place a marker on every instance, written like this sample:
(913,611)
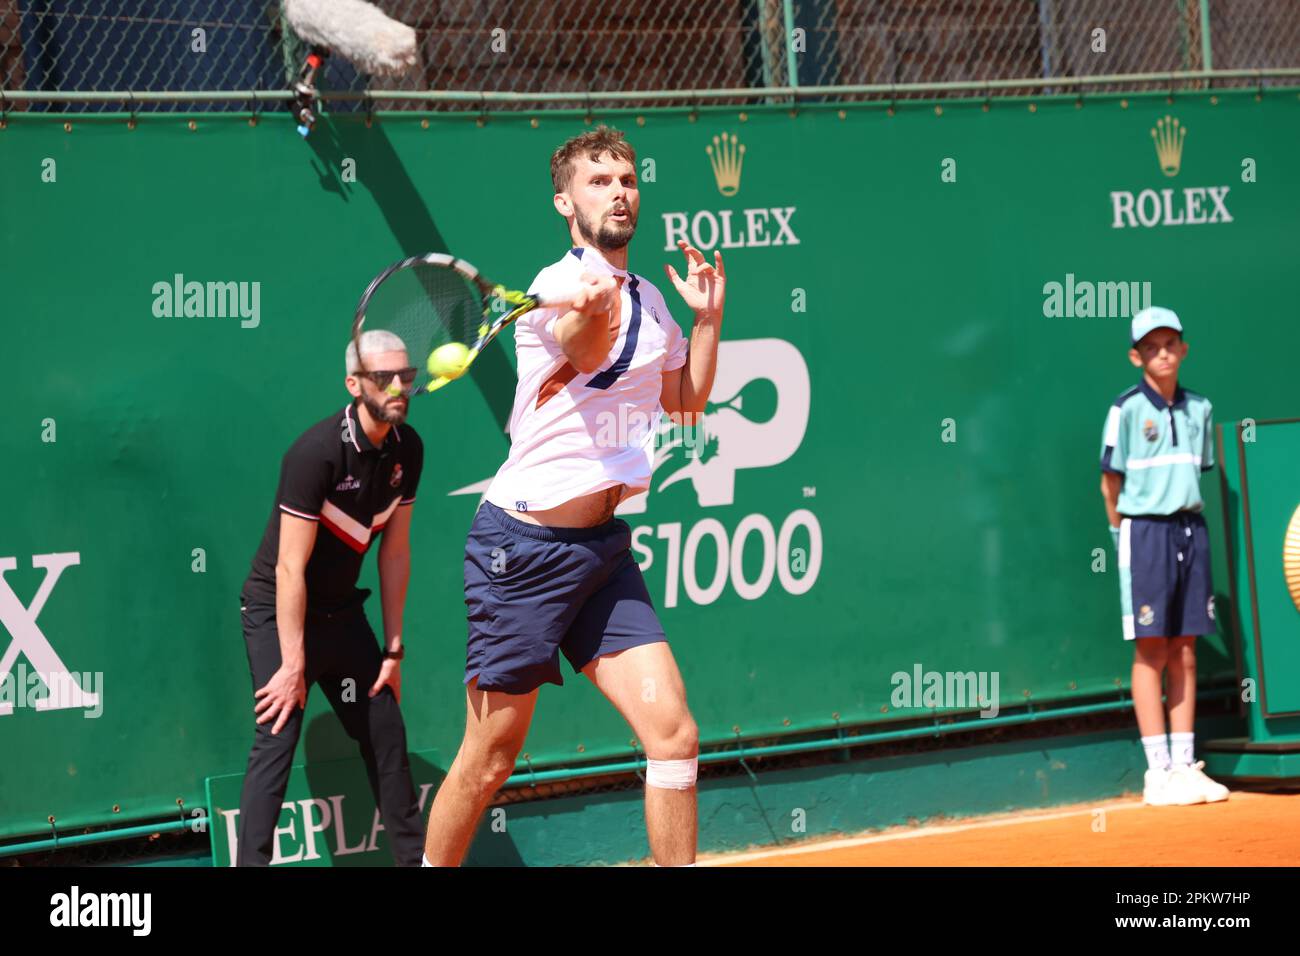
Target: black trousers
(339,647)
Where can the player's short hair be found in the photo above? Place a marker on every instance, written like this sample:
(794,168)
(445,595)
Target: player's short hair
(372,342)
(593,144)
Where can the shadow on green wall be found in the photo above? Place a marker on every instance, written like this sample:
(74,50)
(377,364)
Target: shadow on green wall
(408,216)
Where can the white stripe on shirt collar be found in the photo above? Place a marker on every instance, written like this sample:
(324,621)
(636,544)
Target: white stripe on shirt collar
(591,256)
(352,427)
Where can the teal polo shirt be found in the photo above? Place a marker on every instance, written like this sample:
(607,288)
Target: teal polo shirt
(1160,448)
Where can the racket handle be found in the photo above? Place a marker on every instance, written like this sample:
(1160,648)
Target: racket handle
(555,302)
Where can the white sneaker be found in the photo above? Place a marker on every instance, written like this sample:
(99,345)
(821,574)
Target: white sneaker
(1153,787)
(1170,788)
(1212,790)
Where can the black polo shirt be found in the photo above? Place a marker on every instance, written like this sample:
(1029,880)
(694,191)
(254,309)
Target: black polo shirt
(333,474)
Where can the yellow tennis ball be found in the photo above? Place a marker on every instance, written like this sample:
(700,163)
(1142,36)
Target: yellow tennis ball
(449,361)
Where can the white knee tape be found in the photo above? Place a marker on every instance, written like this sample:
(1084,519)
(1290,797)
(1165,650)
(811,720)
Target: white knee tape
(672,774)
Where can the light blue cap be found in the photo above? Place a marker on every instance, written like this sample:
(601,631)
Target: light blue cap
(1154,317)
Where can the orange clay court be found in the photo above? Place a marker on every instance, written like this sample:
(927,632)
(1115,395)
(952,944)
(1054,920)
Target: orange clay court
(1249,829)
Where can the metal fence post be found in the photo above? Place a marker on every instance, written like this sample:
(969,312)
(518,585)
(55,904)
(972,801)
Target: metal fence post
(1207,53)
(792,65)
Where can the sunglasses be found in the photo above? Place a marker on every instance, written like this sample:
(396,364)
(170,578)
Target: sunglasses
(381,379)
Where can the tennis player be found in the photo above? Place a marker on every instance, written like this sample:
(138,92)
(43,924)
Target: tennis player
(548,568)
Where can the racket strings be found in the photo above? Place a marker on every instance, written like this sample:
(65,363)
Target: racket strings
(426,307)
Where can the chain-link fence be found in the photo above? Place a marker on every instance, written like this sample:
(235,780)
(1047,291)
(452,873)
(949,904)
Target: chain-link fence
(575,50)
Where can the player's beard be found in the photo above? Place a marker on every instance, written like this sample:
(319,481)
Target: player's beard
(611,236)
(381,410)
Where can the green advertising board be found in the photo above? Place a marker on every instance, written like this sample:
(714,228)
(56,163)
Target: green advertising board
(924,331)
(1261,460)
(328,816)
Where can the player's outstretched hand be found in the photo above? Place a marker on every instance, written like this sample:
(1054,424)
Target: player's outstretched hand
(283,692)
(704,290)
(595,294)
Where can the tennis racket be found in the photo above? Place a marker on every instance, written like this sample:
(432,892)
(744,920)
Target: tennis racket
(435,301)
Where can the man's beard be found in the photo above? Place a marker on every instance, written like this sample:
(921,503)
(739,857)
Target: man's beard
(611,236)
(381,411)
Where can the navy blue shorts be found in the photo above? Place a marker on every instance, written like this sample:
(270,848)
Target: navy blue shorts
(1164,576)
(531,592)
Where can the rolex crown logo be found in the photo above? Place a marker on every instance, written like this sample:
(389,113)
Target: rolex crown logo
(726,155)
(1169,136)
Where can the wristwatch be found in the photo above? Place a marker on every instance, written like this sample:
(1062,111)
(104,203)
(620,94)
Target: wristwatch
(396,655)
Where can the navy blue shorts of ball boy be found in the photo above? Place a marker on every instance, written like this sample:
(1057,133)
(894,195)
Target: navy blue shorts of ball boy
(532,592)
(1164,572)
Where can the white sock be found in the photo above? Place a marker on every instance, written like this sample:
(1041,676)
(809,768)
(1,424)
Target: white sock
(424,860)
(1181,749)
(1157,749)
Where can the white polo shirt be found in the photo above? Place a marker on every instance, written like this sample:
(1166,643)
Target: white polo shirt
(572,433)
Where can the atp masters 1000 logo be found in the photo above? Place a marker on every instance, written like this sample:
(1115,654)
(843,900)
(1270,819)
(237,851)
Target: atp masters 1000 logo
(756,418)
